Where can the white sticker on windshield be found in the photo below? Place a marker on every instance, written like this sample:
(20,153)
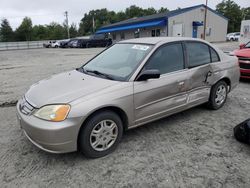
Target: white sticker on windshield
(140,47)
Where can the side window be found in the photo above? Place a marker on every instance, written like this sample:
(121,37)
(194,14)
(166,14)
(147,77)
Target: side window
(214,55)
(197,54)
(167,59)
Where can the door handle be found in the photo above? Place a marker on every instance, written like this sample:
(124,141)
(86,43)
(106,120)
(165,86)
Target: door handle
(181,83)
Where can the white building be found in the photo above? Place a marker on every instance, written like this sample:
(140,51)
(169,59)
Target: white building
(245,31)
(186,22)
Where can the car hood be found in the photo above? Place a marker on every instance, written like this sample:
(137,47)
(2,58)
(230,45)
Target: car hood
(242,52)
(65,88)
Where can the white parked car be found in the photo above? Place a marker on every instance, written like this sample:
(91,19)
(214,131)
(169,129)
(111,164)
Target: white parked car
(233,36)
(51,44)
(55,44)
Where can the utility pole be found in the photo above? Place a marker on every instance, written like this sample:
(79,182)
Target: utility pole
(93,23)
(67,22)
(205,22)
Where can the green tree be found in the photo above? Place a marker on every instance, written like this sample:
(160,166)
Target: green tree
(134,11)
(6,32)
(40,32)
(232,11)
(56,31)
(24,31)
(73,30)
(246,13)
(163,10)
(149,11)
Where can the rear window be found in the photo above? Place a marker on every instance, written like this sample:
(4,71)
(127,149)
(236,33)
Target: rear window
(197,54)
(214,55)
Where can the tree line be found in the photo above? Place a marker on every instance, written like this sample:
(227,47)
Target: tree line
(55,31)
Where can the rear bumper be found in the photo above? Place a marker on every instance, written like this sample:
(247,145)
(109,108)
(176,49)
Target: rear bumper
(53,137)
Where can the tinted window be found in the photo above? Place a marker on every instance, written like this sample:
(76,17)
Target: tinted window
(153,33)
(214,55)
(197,53)
(167,59)
(158,32)
(122,36)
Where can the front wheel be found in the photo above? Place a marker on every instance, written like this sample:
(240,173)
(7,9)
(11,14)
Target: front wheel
(218,95)
(101,134)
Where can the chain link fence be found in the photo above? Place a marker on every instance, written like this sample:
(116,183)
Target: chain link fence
(21,45)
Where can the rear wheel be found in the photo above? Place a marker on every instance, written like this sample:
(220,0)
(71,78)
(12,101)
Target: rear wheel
(218,95)
(101,134)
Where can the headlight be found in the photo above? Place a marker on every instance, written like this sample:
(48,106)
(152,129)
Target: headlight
(53,112)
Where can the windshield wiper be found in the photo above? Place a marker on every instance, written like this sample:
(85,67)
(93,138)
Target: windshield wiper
(99,73)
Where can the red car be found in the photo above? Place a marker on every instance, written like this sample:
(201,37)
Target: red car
(244,60)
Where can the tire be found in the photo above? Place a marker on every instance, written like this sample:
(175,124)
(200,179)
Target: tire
(218,95)
(95,136)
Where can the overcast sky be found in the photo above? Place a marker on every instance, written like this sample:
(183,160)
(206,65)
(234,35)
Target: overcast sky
(46,11)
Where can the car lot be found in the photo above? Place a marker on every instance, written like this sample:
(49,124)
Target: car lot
(194,148)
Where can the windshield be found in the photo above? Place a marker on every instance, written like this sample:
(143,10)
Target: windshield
(117,62)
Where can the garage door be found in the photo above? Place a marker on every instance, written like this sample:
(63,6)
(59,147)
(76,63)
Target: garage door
(177,30)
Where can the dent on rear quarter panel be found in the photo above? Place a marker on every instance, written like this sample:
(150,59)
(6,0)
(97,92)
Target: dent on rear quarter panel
(227,68)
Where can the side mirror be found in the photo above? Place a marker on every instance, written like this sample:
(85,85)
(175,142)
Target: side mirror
(242,46)
(149,74)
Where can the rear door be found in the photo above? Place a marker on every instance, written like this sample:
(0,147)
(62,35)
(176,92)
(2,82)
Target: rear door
(199,72)
(156,98)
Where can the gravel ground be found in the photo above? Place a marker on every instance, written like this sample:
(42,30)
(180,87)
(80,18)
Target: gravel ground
(194,148)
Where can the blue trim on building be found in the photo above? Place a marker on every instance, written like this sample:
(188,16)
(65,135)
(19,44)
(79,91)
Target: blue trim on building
(153,23)
(196,23)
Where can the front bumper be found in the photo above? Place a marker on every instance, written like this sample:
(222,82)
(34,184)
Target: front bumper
(245,73)
(53,137)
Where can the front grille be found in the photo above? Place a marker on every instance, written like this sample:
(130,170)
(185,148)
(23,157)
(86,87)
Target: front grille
(243,58)
(25,107)
(244,65)
(244,62)
(245,74)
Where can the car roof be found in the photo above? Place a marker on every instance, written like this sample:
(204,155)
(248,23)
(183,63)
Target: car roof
(156,40)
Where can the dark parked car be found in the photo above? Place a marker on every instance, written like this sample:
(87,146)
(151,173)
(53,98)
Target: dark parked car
(82,43)
(63,43)
(68,43)
(98,40)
